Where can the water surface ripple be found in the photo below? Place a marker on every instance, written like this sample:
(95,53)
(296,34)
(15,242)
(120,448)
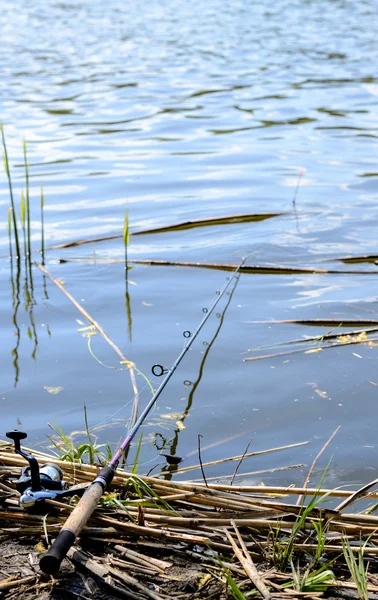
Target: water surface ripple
(189,110)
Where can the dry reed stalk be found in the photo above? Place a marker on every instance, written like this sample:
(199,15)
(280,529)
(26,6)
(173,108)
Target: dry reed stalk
(131,581)
(361,493)
(97,326)
(161,565)
(195,513)
(240,462)
(195,523)
(317,338)
(8,490)
(349,585)
(311,350)
(124,564)
(24,531)
(307,480)
(133,529)
(85,473)
(328,548)
(130,566)
(262,472)
(247,563)
(322,322)
(99,570)
(188,522)
(251,269)
(10,583)
(232,458)
(353,259)
(283,491)
(295,594)
(221,220)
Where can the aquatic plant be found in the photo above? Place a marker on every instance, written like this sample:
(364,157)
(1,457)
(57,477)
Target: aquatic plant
(25,211)
(27,197)
(7,170)
(307,581)
(357,567)
(68,450)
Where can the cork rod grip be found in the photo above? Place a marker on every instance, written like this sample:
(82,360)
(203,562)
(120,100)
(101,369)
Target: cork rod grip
(51,561)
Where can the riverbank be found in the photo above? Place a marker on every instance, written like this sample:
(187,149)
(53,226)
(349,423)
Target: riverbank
(159,539)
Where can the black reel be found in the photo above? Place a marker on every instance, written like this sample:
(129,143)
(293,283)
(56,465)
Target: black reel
(38,483)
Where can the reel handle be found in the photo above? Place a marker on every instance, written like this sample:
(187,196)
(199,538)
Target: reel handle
(17,436)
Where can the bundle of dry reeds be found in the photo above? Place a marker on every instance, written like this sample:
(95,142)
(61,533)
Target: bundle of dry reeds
(219,532)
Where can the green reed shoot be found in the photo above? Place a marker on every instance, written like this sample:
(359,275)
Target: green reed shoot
(126,233)
(42,225)
(357,568)
(7,170)
(126,239)
(143,490)
(23,220)
(307,581)
(134,470)
(282,554)
(236,592)
(27,195)
(69,451)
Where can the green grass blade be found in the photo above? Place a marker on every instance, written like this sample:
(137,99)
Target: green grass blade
(90,449)
(134,470)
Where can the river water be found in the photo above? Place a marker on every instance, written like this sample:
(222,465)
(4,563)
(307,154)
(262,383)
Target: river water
(185,110)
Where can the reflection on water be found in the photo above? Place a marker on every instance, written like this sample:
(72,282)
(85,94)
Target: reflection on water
(188,111)
(27,294)
(172,445)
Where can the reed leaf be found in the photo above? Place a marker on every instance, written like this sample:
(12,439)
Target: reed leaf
(126,234)
(27,196)
(7,170)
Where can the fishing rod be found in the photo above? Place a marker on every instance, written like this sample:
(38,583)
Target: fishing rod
(51,561)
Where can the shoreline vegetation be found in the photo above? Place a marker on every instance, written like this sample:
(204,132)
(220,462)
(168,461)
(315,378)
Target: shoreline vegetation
(159,538)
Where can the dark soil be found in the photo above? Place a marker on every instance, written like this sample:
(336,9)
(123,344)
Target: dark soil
(19,560)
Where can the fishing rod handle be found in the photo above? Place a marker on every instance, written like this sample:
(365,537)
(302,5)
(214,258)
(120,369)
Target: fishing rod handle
(51,561)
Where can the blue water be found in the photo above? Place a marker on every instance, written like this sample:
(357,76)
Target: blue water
(185,110)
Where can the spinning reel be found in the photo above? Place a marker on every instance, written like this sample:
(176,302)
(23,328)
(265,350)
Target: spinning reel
(36,483)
